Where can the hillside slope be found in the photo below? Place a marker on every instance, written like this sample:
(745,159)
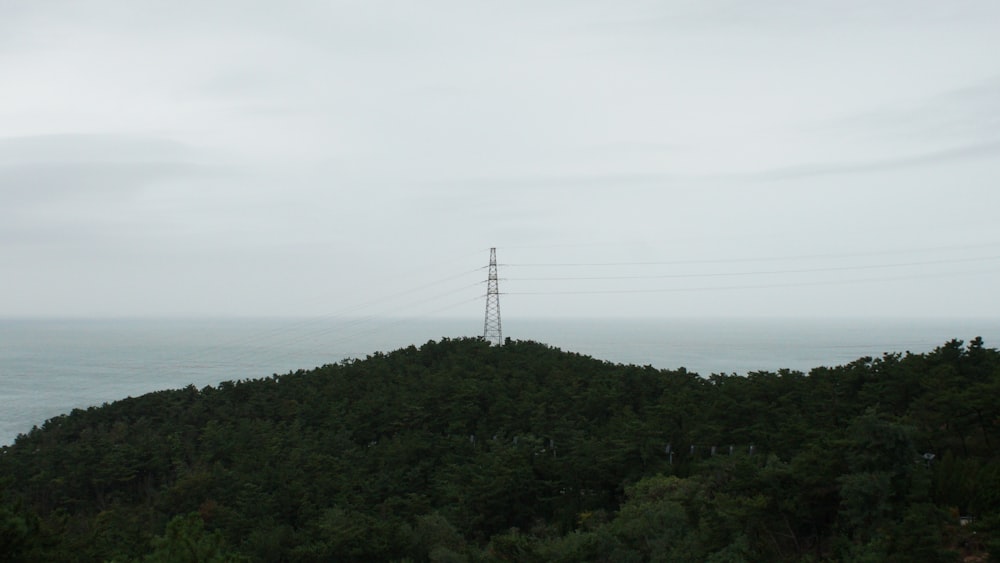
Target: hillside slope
(461,451)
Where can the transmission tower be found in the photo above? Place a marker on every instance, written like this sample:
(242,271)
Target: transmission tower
(491,326)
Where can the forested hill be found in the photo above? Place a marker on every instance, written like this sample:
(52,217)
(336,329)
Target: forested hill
(459,451)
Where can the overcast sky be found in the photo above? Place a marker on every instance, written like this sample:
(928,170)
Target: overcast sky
(662,158)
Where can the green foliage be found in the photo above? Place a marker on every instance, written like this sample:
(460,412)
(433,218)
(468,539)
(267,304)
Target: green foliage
(15,534)
(460,451)
(186,541)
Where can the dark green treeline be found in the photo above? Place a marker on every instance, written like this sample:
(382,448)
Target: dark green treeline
(459,451)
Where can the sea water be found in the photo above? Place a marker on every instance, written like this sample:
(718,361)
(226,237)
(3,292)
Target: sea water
(49,367)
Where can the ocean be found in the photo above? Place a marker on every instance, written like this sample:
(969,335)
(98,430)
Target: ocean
(49,367)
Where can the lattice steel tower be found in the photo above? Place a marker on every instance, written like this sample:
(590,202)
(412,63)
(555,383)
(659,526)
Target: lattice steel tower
(491,326)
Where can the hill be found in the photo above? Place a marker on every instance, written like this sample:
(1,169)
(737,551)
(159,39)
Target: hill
(460,451)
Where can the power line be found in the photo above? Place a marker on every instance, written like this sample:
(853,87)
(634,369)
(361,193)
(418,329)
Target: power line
(764,272)
(741,287)
(734,260)
(295,329)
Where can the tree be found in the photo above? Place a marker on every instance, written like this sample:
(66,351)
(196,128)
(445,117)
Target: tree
(186,541)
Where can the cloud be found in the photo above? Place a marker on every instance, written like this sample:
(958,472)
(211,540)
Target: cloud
(340,137)
(43,182)
(965,114)
(92,148)
(789,15)
(46,169)
(879,165)
(72,187)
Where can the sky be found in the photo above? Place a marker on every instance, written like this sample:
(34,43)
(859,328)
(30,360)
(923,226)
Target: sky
(630,158)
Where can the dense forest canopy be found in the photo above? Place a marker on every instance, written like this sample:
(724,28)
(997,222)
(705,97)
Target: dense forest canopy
(462,451)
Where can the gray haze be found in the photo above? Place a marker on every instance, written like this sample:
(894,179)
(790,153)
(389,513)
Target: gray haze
(689,158)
